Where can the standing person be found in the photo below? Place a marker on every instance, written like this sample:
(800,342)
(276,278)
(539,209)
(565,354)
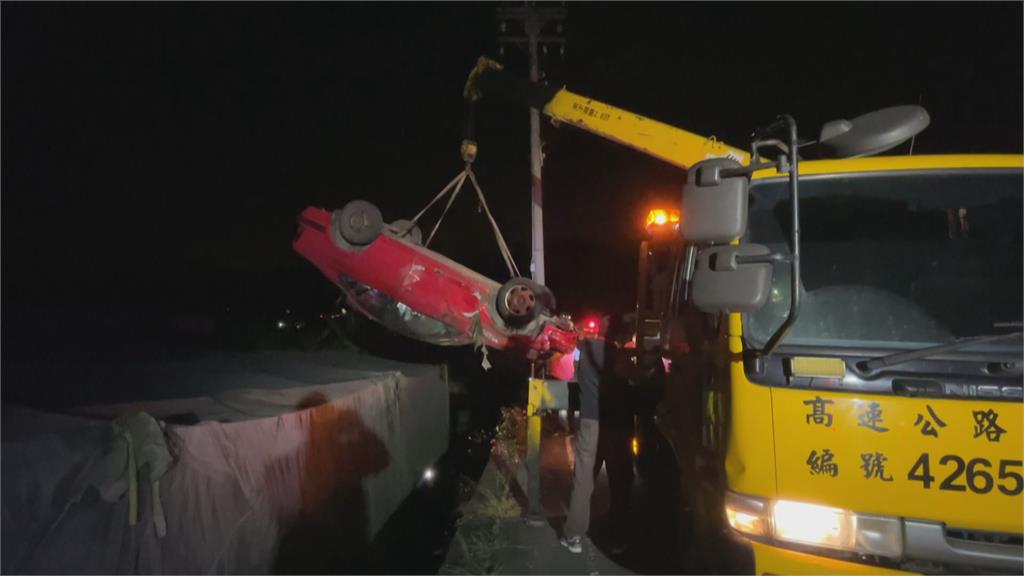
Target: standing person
(594,367)
(614,446)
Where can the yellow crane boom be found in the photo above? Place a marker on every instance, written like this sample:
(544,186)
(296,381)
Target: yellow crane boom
(663,141)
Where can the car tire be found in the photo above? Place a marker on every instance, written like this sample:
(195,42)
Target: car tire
(547,298)
(406,230)
(359,222)
(520,300)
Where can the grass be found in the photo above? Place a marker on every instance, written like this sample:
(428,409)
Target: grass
(509,441)
(480,524)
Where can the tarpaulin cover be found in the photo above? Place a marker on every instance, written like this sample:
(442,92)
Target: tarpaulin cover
(296,473)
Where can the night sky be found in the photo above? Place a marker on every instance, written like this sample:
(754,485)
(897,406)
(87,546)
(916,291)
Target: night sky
(155,155)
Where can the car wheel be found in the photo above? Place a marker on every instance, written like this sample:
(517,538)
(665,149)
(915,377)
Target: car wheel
(546,297)
(359,222)
(520,300)
(407,231)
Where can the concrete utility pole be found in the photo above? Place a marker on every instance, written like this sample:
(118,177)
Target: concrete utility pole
(534,20)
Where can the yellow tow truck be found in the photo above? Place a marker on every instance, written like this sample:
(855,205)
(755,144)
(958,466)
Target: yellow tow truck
(845,386)
(873,415)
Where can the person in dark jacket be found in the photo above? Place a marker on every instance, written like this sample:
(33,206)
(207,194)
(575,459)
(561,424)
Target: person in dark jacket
(617,412)
(597,368)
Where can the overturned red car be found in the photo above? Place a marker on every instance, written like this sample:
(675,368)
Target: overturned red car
(388,276)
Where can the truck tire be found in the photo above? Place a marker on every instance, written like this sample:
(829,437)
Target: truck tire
(358,222)
(520,300)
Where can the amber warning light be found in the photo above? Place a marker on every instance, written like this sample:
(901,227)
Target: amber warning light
(660,219)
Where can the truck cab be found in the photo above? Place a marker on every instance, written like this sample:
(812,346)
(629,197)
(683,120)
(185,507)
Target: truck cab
(861,395)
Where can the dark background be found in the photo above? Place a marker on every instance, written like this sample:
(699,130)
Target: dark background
(155,155)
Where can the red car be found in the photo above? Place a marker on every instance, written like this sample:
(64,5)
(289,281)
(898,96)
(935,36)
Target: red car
(390,278)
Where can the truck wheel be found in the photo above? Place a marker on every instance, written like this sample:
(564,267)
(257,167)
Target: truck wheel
(518,301)
(359,222)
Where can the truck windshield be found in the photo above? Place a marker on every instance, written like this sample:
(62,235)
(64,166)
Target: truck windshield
(895,260)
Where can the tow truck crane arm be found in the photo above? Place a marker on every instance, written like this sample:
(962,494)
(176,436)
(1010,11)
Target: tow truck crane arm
(663,141)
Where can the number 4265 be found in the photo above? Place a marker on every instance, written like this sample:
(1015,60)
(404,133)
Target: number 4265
(976,475)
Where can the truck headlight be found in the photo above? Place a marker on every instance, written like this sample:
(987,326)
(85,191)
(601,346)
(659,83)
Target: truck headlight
(816,525)
(812,524)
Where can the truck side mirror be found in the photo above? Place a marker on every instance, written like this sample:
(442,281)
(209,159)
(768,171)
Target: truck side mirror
(714,202)
(723,282)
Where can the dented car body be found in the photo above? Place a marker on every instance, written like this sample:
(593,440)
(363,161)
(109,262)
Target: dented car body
(421,294)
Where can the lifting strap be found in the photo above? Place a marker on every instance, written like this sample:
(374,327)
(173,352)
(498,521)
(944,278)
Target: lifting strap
(454,187)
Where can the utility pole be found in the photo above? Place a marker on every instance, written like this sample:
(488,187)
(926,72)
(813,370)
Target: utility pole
(534,22)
